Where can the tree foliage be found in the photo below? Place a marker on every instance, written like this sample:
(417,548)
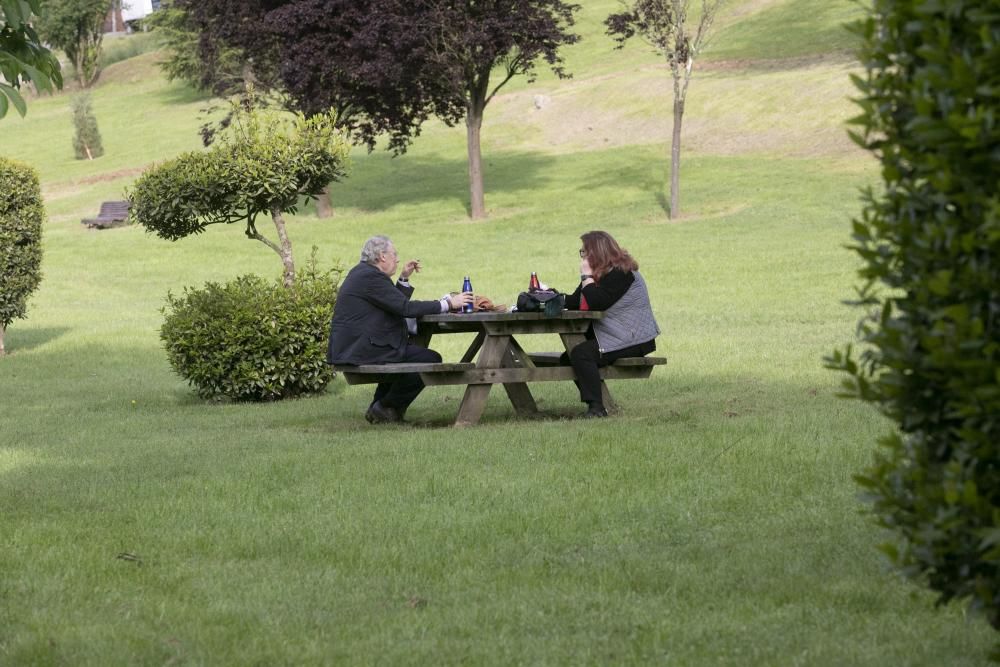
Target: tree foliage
(929,240)
(197,54)
(23,58)
(386,66)
(21,217)
(76,27)
(669,27)
(264,164)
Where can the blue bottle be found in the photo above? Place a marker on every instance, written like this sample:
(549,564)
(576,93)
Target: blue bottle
(467,287)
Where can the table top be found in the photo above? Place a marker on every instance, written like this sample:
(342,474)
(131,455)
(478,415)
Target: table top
(517,316)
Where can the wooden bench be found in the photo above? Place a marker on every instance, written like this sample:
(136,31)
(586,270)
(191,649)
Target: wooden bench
(112,214)
(620,369)
(375,373)
(545,368)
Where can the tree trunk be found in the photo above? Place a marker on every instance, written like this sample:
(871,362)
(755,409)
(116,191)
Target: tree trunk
(675,160)
(3,331)
(324,205)
(474,124)
(285,249)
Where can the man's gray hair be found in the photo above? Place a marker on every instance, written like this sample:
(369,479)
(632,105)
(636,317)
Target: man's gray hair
(374,247)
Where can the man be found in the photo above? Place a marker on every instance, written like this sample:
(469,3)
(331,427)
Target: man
(369,325)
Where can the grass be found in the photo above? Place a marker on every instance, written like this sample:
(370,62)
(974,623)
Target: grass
(713,522)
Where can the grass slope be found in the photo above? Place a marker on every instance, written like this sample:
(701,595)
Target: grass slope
(713,522)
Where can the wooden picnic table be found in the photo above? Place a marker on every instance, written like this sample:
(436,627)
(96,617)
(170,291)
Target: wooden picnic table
(501,359)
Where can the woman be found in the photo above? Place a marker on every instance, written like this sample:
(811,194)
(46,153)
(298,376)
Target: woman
(609,281)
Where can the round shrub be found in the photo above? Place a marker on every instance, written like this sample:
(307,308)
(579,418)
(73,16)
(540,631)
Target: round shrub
(21,217)
(253,339)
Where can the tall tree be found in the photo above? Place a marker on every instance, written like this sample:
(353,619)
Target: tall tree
(23,58)
(386,66)
(76,27)
(668,26)
(470,39)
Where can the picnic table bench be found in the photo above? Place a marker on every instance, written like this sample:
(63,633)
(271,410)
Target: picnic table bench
(501,359)
(112,214)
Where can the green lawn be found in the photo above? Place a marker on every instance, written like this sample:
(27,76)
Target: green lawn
(714,521)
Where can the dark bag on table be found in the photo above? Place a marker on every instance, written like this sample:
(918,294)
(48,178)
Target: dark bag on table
(546,301)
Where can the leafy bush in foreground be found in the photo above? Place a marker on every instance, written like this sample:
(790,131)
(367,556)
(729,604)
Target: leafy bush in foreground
(253,339)
(21,216)
(930,243)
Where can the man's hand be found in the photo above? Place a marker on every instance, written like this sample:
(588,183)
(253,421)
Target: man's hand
(459,299)
(409,268)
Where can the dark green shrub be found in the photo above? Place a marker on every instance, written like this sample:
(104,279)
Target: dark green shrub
(930,244)
(21,217)
(86,138)
(253,339)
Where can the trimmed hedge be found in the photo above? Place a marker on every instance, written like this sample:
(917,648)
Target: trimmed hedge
(253,339)
(930,245)
(21,217)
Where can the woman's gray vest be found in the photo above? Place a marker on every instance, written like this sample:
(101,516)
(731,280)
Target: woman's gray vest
(629,321)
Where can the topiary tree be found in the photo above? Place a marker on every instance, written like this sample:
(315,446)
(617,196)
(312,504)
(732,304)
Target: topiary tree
(264,164)
(929,240)
(21,216)
(86,138)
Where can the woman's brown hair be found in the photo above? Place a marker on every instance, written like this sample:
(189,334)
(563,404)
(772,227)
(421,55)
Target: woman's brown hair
(603,253)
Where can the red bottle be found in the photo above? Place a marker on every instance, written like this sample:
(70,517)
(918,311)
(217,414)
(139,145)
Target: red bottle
(534,284)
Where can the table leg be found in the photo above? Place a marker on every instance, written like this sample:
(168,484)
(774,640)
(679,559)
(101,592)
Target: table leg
(474,401)
(518,392)
(571,340)
(477,343)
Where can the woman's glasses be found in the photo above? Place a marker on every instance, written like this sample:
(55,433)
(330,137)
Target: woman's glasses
(583,253)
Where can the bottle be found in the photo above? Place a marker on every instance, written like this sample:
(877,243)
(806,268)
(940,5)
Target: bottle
(534,284)
(467,287)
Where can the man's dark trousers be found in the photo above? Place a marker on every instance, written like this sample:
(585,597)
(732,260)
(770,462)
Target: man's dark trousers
(400,392)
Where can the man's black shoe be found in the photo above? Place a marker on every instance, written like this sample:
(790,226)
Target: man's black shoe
(595,411)
(381,414)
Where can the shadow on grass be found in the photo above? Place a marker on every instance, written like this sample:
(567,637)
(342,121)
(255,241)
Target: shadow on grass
(418,179)
(24,339)
(181,93)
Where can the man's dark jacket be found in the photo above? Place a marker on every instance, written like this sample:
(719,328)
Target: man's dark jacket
(368,325)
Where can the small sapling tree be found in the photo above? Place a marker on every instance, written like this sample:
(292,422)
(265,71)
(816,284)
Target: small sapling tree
(21,216)
(86,138)
(264,163)
(669,28)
